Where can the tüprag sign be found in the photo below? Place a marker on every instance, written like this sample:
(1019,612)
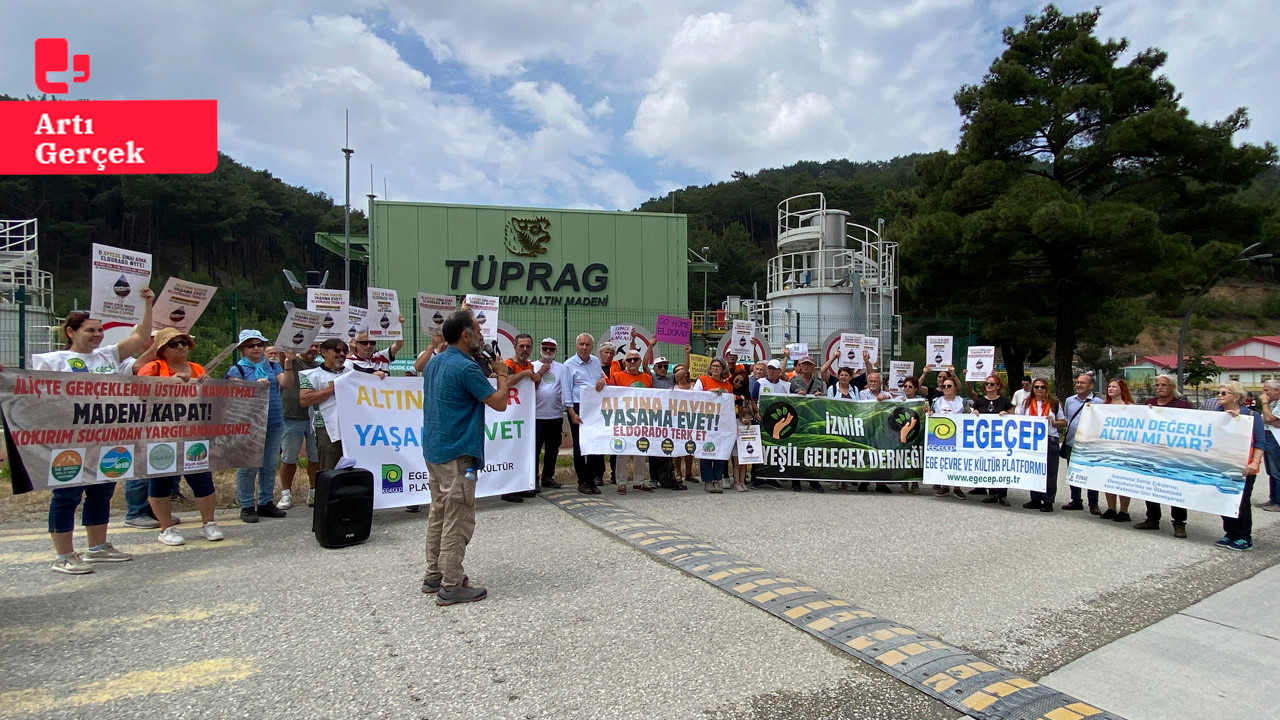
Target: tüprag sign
(529,237)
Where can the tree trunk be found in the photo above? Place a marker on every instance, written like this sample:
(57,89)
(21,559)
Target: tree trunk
(1014,366)
(1064,346)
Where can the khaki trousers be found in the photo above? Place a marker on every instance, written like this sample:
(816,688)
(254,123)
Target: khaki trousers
(451,521)
(330,451)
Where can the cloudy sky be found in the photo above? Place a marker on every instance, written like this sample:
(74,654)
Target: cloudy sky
(598,104)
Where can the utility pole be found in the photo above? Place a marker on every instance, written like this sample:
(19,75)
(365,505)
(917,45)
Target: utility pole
(346,220)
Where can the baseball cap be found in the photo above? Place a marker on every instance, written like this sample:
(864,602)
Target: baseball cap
(550,341)
(805,359)
(775,364)
(659,360)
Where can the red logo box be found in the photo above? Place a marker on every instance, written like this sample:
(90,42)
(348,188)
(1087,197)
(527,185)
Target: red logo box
(108,137)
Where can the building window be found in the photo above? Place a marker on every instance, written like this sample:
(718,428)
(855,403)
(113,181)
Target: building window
(1265,378)
(1234,378)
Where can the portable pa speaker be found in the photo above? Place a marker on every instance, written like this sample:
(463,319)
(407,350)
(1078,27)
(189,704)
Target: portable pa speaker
(343,514)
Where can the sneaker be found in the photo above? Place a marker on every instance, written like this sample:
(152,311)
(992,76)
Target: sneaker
(311,497)
(286,500)
(146,522)
(211,532)
(169,536)
(1108,515)
(270,510)
(990,500)
(462,594)
(1073,505)
(1121,517)
(430,586)
(958,492)
(1147,524)
(939,491)
(107,553)
(1004,502)
(1179,530)
(249,515)
(1032,505)
(1240,545)
(1222,542)
(1271,508)
(584,489)
(72,564)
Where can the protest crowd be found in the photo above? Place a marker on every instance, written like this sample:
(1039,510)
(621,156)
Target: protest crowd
(302,421)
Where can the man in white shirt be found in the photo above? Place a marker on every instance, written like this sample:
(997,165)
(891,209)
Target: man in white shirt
(874,389)
(1021,396)
(580,371)
(548,424)
(772,382)
(364,359)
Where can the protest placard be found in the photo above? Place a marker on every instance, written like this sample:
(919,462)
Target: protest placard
(432,311)
(851,351)
(620,335)
(116,278)
(381,429)
(816,438)
(750,449)
(698,366)
(1009,451)
(332,305)
(937,352)
(180,304)
(357,322)
(299,330)
(871,346)
(71,429)
(741,333)
(1189,458)
(899,371)
(979,363)
(485,308)
(798,350)
(657,423)
(384,315)
(672,329)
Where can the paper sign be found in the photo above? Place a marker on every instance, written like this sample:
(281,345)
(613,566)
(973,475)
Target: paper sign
(741,333)
(332,304)
(485,308)
(980,363)
(899,371)
(357,322)
(621,334)
(851,351)
(433,310)
(871,345)
(799,350)
(672,329)
(180,304)
(384,314)
(699,365)
(750,450)
(117,277)
(937,352)
(299,330)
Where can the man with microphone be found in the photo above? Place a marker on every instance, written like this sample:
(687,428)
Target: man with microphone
(455,393)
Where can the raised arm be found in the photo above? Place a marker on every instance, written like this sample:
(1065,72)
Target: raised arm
(140,338)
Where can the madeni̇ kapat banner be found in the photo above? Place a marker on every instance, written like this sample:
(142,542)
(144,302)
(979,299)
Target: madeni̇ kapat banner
(657,423)
(1189,458)
(381,426)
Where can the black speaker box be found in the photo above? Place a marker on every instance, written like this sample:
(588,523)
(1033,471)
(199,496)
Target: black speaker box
(343,514)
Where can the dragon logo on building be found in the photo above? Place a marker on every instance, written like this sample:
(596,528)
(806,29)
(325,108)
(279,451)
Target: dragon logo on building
(526,236)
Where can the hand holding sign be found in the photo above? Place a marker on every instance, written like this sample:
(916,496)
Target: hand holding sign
(672,329)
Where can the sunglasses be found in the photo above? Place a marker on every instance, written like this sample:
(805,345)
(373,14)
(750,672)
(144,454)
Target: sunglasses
(253,345)
(991,384)
(342,349)
(181,342)
(1039,387)
(948,385)
(366,343)
(1223,392)
(633,359)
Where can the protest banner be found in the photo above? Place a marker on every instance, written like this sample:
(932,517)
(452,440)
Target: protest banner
(851,351)
(750,451)
(620,335)
(979,363)
(116,278)
(741,333)
(432,311)
(380,422)
(332,305)
(899,371)
(657,423)
(1009,451)
(180,304)
(384,311)
(937,352)
(698,366)
(485,308)
(1189,458)
(299,330)
(814,438)
(672,329)
(66,429)
(357,322)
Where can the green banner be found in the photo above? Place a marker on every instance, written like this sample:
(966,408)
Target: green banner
(816,438)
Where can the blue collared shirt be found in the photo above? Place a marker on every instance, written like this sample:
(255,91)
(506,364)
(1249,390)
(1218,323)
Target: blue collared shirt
(453,393)
(1073,408)
(581,373)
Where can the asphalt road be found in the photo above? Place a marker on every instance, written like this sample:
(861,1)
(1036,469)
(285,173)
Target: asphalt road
(579,624)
